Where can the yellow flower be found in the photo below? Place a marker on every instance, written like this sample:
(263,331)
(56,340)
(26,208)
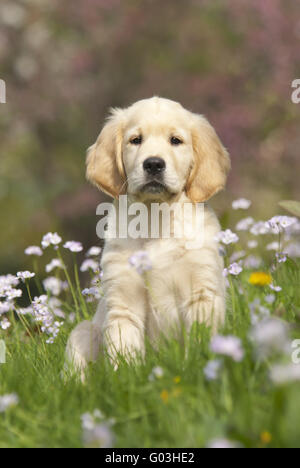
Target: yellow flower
(176,392)
(177,379)
(260,279)
(265,437)
(164,396)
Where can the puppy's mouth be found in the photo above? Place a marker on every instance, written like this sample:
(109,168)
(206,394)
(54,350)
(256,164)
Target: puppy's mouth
(154,186)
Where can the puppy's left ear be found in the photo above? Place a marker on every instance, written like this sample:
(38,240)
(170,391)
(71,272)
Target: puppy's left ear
(211,162)
(104,159)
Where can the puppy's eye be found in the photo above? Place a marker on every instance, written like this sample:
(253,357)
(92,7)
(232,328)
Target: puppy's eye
(136,140)
(175,141)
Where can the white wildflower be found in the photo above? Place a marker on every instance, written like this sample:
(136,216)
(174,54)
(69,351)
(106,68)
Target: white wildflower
(55,263)
(269,336)
(228,346)
(53,285)
(252,262)
(157,373)
(275,288)
(5,307)
(8,401)
(270,298)
(235,269)
(73,246)
(51,239)
(283,374)
(34,250)
(25,275)
(241,204)
(90,265)
(227,237)
(212,369)
(245,224)
(273,246)
(5,323)
(92,294)
(281,257)
(252,244)
(96,432)
(94,252)
(259,228)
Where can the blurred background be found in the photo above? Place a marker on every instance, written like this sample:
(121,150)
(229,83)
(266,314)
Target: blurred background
(66,63)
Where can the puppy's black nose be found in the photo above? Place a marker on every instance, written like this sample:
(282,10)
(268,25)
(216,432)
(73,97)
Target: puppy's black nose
(154,165)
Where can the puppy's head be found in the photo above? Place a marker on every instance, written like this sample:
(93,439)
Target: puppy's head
(156,149)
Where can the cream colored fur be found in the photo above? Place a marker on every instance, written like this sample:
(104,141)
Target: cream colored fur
(183,285)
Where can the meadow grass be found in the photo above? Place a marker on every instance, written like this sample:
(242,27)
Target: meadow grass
(175,407)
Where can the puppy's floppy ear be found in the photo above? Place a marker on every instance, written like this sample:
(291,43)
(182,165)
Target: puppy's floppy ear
(211,162)
(104,159)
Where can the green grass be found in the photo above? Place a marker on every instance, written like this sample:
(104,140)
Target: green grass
(180,409)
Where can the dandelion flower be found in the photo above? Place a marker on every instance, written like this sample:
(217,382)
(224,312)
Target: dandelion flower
(266,437)
(164,395)
(260,278)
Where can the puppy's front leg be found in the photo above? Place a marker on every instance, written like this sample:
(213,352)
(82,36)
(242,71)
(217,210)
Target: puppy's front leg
(206,302)
(124,326)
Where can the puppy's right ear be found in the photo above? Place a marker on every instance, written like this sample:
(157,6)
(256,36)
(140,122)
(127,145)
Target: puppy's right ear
(104,159)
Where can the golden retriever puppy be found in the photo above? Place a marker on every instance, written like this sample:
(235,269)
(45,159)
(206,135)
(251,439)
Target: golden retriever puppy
(155,152)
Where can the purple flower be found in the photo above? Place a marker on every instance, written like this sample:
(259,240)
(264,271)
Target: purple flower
(235,269)
(140,261)
(73,246)
(227,237)
(34,250)
(228,346)
(51,239)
